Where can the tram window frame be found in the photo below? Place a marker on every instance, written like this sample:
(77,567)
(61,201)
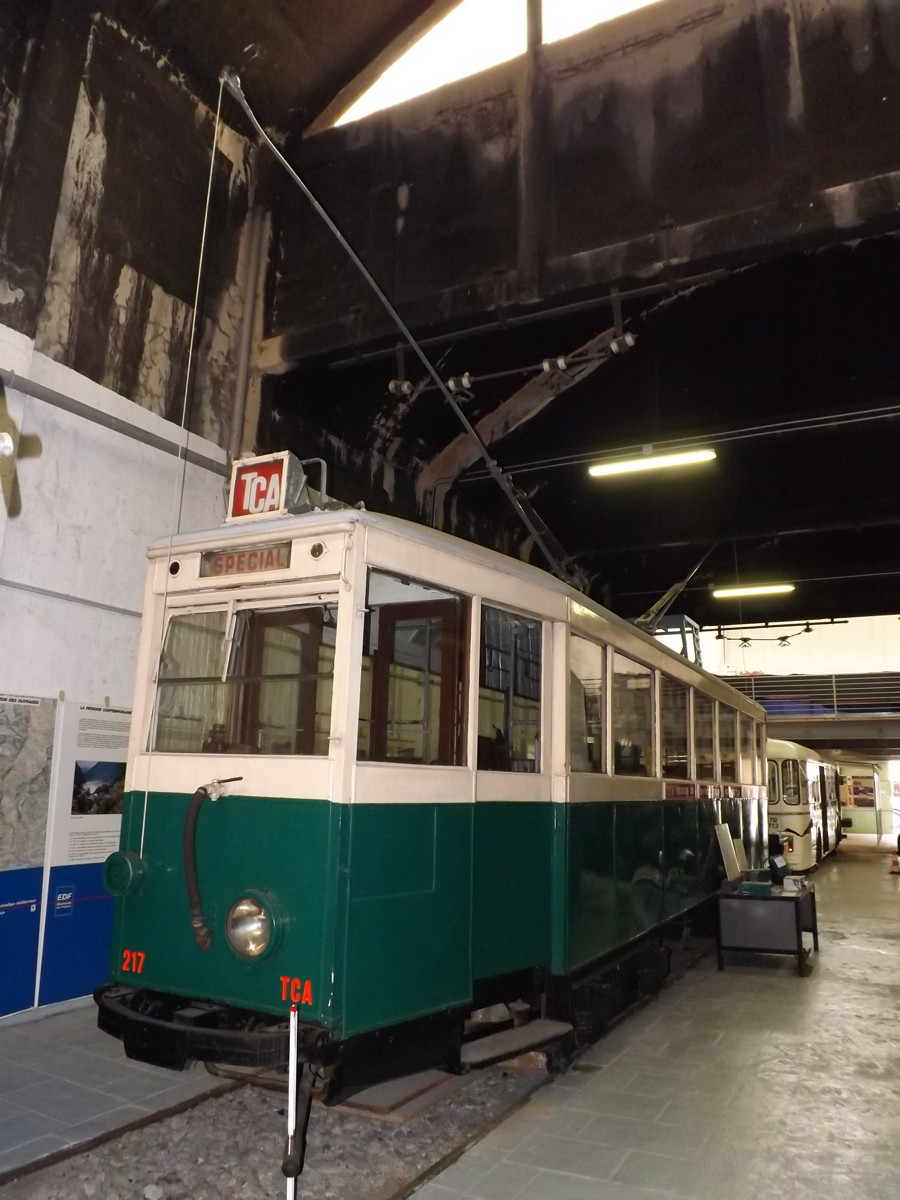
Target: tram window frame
(436,676)
(510,685)
(666,681)
(746,747)
(728,726)
(773,777)
(234,688)
(641,764)
(705,768)
(587,705)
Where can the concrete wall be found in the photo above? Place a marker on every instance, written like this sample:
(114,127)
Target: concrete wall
(105,154)
(80,504)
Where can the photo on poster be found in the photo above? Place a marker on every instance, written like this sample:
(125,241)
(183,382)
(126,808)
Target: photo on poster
(97,788)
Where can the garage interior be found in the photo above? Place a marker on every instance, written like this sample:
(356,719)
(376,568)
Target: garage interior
(674,229)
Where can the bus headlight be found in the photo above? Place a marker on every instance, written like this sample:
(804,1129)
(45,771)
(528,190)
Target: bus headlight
(249,927)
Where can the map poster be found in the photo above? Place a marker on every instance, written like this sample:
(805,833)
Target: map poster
(87,787)
(26,753)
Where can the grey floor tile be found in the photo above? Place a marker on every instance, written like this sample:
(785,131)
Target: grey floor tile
(14,1077)
(32,1151)
(116,1118)
(568,1156)
(655,1172)
(9,1109)
(14,1131)
(673,1141)
(137,1087)
(551,1185)
(506,1181)
(64,1102)
(600,1099)
(464,1173)
(433,1191)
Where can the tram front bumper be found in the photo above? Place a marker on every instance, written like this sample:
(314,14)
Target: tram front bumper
(170,1031)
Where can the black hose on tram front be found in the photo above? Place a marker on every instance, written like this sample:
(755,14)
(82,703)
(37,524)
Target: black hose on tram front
(202,935)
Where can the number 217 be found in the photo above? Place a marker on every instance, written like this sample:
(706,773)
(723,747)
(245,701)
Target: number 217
(133,960)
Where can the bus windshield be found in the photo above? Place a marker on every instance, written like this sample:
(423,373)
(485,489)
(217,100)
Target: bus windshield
(250,682)
(790,777)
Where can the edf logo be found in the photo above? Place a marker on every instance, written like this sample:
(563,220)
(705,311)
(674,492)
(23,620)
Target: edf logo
(62,906)
(257,489)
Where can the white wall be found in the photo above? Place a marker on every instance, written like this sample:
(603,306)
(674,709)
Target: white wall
(862,644)
(80,505)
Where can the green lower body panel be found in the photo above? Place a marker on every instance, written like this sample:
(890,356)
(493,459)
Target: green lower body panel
(512,903)
(385,913)
(408,937)
(285,851)
(630,866)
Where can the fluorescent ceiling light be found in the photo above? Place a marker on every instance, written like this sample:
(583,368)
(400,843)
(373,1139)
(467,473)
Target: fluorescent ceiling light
(650,462)
(764,589)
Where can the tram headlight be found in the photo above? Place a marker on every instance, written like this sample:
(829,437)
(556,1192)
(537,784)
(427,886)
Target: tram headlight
(249,927)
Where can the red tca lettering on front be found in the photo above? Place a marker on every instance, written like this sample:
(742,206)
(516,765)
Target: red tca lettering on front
(299,991)
(260,493)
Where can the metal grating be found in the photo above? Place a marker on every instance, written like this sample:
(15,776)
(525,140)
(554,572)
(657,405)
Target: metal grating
(822,695)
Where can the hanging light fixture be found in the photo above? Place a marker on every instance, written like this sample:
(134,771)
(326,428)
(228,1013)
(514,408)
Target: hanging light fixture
(763,589)
(651,462)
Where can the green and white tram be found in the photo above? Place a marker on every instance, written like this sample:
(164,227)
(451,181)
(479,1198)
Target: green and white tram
(388,776)
(804,803)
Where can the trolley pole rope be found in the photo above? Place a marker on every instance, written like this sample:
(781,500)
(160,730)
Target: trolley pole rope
(535,526)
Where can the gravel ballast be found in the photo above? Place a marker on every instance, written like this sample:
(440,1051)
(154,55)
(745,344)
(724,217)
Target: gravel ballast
(231,1146)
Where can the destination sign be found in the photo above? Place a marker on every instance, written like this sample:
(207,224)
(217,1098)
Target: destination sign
(249,560)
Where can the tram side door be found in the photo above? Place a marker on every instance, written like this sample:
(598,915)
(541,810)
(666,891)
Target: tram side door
(416,684)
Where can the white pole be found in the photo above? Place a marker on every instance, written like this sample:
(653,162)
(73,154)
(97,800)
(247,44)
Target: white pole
(292,1101)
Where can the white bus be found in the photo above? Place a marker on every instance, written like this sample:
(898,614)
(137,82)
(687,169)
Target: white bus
(804,803)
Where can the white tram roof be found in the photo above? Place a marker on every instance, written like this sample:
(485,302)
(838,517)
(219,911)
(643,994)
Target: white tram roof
(782,748)
(252,533)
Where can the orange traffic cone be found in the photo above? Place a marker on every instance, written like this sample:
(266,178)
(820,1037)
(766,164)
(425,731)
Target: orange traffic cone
(895,864)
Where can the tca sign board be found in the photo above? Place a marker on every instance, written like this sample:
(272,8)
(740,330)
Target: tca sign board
(268,486)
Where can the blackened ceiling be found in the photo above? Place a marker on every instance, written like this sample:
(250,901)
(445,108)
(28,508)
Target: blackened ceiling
(295,57)
(730,172)
(789,369)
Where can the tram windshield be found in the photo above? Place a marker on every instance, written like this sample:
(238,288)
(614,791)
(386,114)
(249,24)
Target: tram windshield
(254,681)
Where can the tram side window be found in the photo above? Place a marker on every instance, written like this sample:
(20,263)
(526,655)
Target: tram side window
(509,694)
(747,742)
(704,729)
(260,683)
(774,782)
(674,712)
(790,781)
(728,742)
(632,717)
(412,685)
(585,704)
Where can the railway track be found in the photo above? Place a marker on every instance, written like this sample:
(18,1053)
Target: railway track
(230,1143)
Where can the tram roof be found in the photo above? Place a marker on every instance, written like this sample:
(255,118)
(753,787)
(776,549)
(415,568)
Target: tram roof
(784,748)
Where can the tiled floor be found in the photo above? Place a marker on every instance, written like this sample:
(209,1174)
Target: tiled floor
(63,1083)
(730,1086)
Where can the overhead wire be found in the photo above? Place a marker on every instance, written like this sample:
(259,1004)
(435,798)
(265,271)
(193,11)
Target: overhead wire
(558,561)
(185,414)
(719,438)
